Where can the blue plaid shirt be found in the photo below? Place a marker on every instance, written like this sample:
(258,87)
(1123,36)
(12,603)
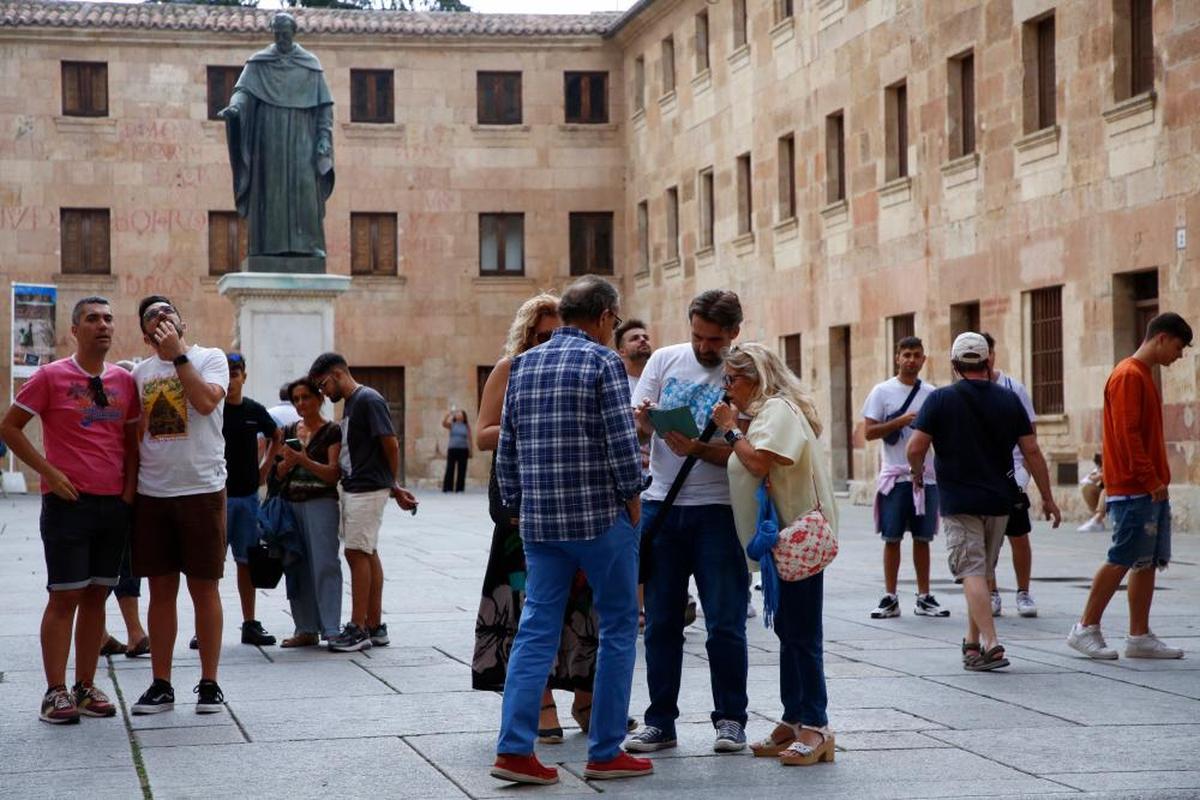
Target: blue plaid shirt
(568,452)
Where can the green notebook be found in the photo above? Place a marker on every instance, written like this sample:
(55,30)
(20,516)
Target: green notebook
(675,419)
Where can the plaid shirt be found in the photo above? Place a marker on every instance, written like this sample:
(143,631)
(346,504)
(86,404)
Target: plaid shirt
(568,452)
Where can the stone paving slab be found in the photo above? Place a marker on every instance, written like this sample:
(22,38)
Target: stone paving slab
(402,721)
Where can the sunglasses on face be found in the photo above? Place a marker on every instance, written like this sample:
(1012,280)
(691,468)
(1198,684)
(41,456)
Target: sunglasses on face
(96,387)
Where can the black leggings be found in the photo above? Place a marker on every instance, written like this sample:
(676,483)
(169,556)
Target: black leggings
(456,469)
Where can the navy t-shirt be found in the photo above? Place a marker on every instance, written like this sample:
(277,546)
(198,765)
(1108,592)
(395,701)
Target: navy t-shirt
(365,418)
(972,464)
(242,425)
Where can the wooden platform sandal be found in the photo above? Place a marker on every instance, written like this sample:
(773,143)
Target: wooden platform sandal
(799,754)
(780,739)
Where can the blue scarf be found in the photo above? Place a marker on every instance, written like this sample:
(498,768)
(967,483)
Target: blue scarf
(761,547)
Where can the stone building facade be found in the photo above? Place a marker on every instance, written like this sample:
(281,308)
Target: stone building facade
(856,169)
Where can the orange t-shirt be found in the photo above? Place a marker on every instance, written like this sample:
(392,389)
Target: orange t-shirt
(1135,452)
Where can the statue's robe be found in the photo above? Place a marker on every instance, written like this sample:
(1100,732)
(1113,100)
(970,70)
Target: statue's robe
(279,182)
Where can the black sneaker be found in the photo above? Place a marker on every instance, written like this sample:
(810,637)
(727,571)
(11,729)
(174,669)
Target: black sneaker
(689,611)
(927,606)
(158,698)
(194,644)
(351,639)
(888,607)
(254,633)
(211,699)
(379,636)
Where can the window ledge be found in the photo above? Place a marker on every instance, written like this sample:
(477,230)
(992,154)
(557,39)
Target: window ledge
(963,169)
(501,131)
(668,102)
(589,127)
(1052,423)
(1128,115)
(671,267)
(836,213)
(786,229)
(783,31)
(706,254)
(1038,145)
(642,279)
(639,118)
(81,281)
(515,280)
(744,243)
(895,192)
(373,130)
(830,11)
(739,58)
(88,125)
(702,82)
(378,281)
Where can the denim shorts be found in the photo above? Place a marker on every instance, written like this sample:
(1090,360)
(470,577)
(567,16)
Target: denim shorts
(241,525)
(1141,533)
(897,513)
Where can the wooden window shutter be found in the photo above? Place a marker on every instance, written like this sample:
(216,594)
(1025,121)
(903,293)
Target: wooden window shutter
(99,89)
(1142,46)
(70,88)
(358,96)
(98,243)
(386,240)
(1047,82)
(360,244)
(71,223)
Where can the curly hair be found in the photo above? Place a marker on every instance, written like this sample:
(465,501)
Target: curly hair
(520,333)
(763,366)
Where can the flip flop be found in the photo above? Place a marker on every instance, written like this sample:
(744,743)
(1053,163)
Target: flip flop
(140,649)
(112,647)
(550,735)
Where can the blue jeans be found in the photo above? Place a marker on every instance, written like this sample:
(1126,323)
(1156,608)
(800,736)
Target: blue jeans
(610,562)
(315,581)
(801,660)
(699,540)
(241,525)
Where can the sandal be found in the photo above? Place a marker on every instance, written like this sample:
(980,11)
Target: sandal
(969,648)
(140,649)
(112,646)
(799,754)
(780,739)
(301,640)
(550,735)
(583,717)
(992,658)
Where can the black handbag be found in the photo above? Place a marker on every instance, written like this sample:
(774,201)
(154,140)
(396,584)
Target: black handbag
(266,569)
(894,436)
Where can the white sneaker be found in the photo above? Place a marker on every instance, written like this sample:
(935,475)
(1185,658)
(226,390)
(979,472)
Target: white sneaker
(996,604)
(751,611)
(1091,526)
(1025,605)
(1149,646)
(1088,640)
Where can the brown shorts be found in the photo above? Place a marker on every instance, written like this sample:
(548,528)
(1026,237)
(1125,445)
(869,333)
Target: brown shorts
(179,534)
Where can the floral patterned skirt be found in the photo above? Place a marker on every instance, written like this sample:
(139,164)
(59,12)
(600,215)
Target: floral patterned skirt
(500,612)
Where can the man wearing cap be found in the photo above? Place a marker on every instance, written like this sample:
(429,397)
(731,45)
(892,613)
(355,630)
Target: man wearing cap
(973,426)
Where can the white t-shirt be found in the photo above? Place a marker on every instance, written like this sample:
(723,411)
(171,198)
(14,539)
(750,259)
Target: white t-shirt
(883,401)
(1020,474)
(182,451)
(284,414)
(673,378)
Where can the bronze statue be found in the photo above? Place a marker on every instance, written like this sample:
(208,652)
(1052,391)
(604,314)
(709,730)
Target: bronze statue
(279,126)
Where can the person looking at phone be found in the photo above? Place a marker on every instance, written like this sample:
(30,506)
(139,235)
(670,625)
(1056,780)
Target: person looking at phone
(307,470)
(370,462)
(245,421)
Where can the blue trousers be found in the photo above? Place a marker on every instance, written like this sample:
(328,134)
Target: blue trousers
(801,657)
(699,540)
(316,581)
(610,562)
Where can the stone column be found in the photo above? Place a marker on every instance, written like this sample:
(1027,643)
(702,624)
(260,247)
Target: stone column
(283,322)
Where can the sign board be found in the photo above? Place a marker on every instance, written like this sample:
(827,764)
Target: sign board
(33,333)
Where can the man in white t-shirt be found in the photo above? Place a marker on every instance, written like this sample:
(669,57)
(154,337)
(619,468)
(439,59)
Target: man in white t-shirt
(1019,523)
(179,514)
(697,534)
(889,412)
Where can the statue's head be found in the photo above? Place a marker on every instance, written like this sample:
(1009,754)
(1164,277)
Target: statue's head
(284,28)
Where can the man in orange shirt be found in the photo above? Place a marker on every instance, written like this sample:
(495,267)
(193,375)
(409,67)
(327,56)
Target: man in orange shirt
(1136,478)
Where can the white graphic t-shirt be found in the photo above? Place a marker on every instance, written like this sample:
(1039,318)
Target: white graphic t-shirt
(673,378)
(883,401)
(182,451)
(1020,474)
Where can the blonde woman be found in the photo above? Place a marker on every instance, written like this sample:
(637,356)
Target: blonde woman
(504,580)
(781,446)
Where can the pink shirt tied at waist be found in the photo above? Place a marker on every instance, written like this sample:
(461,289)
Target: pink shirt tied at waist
(889,476)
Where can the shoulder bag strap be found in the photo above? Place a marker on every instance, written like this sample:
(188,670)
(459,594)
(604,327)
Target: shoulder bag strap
(908,400)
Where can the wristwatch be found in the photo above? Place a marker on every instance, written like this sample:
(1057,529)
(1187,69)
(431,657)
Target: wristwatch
(180,360)
(732,436)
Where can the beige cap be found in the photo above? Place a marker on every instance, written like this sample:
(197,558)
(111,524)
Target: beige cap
(970,348)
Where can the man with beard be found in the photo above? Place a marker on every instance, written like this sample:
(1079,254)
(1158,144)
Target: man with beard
(89,409)
(697,535)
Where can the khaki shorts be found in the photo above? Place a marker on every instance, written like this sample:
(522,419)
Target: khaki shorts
(362,514)
(973,544)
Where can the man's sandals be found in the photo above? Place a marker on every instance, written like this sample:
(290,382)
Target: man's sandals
(976,659)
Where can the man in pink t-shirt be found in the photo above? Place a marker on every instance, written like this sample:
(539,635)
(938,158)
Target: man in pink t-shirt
(89,410)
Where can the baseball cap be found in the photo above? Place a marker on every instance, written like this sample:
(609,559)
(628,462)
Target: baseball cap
(969,348)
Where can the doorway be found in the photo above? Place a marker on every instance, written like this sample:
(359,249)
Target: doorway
(389,382)
(841,429)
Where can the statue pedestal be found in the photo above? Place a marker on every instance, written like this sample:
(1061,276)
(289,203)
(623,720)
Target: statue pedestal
(291,265)
(283,322)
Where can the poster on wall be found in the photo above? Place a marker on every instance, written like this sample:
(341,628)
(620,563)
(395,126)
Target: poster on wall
(32,327)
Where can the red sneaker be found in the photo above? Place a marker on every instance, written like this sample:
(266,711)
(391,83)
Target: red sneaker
(623,766)
(523,769)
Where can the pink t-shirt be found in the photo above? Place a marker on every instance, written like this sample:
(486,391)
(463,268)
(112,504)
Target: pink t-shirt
(84,440)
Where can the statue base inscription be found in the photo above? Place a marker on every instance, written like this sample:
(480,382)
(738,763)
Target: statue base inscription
(301,265)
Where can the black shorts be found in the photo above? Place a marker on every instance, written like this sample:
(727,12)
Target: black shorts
(1019,523)
(84,540)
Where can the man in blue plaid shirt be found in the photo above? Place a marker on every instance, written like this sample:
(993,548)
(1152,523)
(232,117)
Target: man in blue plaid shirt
(568,456)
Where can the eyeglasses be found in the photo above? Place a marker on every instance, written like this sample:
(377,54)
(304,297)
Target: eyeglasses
(96,387)
(322,381)
(617,321)
(729,380)
(160,308)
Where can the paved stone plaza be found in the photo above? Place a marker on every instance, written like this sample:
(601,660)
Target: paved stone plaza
(402,721)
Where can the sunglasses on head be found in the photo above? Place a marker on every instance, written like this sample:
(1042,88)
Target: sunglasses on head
(96,387)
